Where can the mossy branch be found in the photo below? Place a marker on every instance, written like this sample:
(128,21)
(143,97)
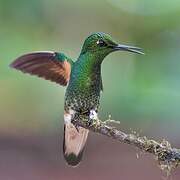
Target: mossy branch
(167,157)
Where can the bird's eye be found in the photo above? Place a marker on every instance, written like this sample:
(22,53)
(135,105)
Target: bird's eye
(101,43)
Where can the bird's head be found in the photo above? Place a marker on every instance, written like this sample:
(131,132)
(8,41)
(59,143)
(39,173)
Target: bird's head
(101,44)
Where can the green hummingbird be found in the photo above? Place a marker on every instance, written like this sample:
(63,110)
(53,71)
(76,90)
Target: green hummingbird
(83,80)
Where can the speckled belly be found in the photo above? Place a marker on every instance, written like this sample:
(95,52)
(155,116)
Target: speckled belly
(82,101)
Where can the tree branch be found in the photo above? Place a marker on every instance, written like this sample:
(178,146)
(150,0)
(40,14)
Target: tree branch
(167,157)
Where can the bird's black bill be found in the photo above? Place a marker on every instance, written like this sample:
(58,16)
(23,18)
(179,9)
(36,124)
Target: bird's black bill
(121,47)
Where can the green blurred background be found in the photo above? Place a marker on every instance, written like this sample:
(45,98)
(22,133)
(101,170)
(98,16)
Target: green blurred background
(143,92)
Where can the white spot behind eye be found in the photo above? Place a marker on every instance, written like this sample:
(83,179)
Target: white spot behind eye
(101,43)
(98,42)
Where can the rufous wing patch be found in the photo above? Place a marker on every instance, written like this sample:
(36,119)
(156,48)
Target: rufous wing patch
(48,65)
(67,71)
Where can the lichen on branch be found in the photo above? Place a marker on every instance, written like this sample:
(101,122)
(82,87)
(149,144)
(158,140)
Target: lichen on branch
(167,156)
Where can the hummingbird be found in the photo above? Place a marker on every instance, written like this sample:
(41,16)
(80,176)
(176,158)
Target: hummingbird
(83,81)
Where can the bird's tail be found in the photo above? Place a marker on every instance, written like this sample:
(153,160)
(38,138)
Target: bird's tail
(74,143)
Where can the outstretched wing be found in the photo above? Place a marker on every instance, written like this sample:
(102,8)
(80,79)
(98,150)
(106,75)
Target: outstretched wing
(52,66)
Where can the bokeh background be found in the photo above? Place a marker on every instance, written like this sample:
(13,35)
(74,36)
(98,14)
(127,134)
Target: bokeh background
(143,92)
